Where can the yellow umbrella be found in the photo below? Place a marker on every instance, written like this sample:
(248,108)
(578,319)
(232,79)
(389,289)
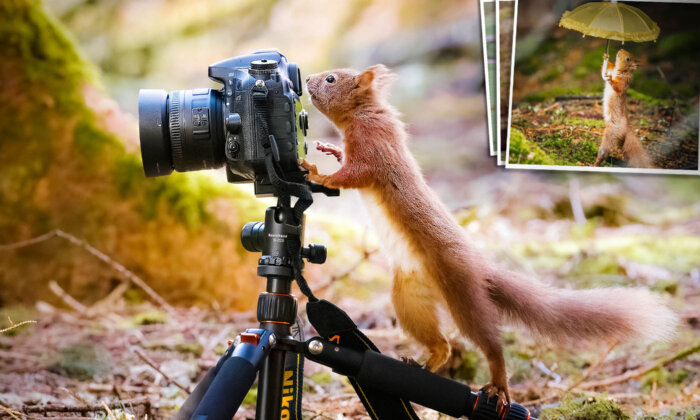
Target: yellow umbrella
(611,20)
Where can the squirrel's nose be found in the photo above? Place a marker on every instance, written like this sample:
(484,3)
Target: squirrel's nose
(307,79)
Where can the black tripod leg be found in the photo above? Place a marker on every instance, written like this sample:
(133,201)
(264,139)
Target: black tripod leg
(226,385)
(270,386)
(191,403)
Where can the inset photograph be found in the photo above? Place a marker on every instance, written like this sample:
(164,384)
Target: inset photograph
(506,26)
(602,86)
(489,40)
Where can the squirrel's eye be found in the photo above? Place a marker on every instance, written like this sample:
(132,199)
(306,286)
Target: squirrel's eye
(628,59)
(330,78)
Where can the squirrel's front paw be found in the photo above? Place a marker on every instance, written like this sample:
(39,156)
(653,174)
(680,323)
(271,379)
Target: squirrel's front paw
(330,149)
(606,56)
(313,170)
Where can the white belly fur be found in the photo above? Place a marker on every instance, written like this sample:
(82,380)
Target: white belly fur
(392,242)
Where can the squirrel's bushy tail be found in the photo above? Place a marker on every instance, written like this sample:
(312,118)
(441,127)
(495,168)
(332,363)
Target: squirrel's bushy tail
(634,152)
(594,314)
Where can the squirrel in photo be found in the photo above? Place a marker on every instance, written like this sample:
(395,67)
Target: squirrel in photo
(618,132)
(433,260)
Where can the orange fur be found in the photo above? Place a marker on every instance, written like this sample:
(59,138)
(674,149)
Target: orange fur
(434,263)
(618,132)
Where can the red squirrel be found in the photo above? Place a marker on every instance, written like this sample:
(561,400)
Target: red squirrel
(617,79)
(434,262)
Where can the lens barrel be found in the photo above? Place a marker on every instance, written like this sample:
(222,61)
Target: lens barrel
(154,132)
(182,130)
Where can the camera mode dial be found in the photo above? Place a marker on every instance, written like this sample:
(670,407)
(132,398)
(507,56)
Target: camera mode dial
(263,65)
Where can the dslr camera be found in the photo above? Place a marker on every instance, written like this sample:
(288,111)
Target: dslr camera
(257,111)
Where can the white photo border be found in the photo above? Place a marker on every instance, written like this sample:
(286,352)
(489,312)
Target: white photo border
(589,168)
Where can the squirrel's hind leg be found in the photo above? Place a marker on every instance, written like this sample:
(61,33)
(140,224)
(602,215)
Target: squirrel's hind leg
(634,152)
(416,309)
(609,143)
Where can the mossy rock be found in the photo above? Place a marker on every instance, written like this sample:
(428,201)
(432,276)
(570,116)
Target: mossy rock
(599,408)
(62,167)
(524,151)
(84,360)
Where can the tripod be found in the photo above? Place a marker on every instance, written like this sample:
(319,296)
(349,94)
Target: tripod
(384,385)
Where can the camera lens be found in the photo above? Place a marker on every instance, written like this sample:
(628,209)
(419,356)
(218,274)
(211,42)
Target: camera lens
(154,132)
(182,130)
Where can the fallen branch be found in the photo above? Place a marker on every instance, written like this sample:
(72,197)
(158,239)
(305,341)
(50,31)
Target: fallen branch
(155,366)
(636,373)
(128,274)
(55,408)
(592,368)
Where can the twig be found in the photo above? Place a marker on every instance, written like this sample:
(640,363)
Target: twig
(592,368)
(112,297)
(13,325)
(128,274)
(68,299)
(109,412)
(154,365)
(73,394)
(575,200)
(18,356)
(12,413)
(636,373)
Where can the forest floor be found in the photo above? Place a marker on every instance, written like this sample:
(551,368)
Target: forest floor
(568,132)
(140,357)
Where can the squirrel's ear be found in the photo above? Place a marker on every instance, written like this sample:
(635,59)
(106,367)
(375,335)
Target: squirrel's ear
(364,79)
(379,74)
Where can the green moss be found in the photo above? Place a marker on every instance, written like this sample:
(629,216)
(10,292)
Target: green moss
(591,63)
(83,360)
(468,367)
(523,151)
(585,122)
(48,55)
(191,347)
(552,73)
(677,253)
(322,378)
(251,397)
(16,313)
(90,141)
(679,44)
(127,174)
(550,94)
(599,408)
(147,318)
(639,96)
(569,150)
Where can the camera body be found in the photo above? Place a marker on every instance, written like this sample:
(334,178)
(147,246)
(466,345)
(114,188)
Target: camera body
(189,130)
